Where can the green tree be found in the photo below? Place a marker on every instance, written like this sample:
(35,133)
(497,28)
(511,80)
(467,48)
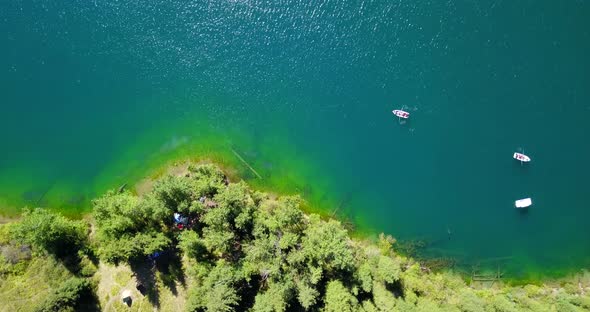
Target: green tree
(128,247)
(468,301)
(324,248)
(564,306)
(385,243)
(50,232)
(281,216)
(413,280)
(582,302)
(129,227)
(192,245)
(67,296)
(388,269)
(217,290)
(365,276)
(307,294)
(275,298)
(237,206)
(383,299)
(230,220)
(499,303)
(368,306)
(209,179)
(278,227)
(176,193)
(115,212)
(339,299)
(426,305)
(261,259)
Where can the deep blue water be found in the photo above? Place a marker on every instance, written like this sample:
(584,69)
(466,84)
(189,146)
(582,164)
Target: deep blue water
(95,93)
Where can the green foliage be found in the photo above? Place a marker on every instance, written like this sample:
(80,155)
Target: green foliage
(388,269)
(582,302)
(365,276)
(67,296)
(501,304)
(274,299)
(468,301)
(339,299)
(192,245)
(31,282)
(176,193)
(128,227)
(385,243)
(5,233)
(229,220)
(368,306)
(209,179)
(261,258)
(246,250)
(325,247)
(127,247)
(281,215)
(565,306)
(87,267)
(374,267)
(278,228)
(115,213)
(383,298)
(49,232)
(13,259)
(237,208)
(9,268)
(307,294)
(217,290)
(413,281)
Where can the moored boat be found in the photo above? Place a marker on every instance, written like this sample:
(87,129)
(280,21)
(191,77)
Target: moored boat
(523,203)
(400,113)
(521,157)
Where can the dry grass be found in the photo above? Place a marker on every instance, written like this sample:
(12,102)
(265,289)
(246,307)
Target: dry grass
(25,291)
(115,279)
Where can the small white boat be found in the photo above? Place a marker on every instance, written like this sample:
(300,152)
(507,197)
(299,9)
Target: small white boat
(521,157)
(400,113)
(523,203)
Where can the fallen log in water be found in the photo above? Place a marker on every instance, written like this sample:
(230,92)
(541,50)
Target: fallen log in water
(246,163)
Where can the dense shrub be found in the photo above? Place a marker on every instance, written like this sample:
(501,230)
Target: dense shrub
(129,227)
(67,296)
(50,232)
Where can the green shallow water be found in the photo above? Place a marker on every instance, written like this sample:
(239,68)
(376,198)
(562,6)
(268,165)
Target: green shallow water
(95,94)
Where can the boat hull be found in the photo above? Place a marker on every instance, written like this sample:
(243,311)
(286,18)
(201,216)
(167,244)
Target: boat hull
(523,203)
(400,113)
(521,157)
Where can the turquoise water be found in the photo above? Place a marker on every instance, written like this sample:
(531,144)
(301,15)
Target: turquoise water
(95,94)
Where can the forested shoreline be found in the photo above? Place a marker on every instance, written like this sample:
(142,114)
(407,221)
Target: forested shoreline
(220,246)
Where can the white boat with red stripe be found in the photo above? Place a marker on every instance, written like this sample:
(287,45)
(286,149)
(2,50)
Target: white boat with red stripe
(521,157)
(401,114)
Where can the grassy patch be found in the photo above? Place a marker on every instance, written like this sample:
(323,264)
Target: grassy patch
(27,290)
(165,294)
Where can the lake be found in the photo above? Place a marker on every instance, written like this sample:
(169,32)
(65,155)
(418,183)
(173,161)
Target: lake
(95,94)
